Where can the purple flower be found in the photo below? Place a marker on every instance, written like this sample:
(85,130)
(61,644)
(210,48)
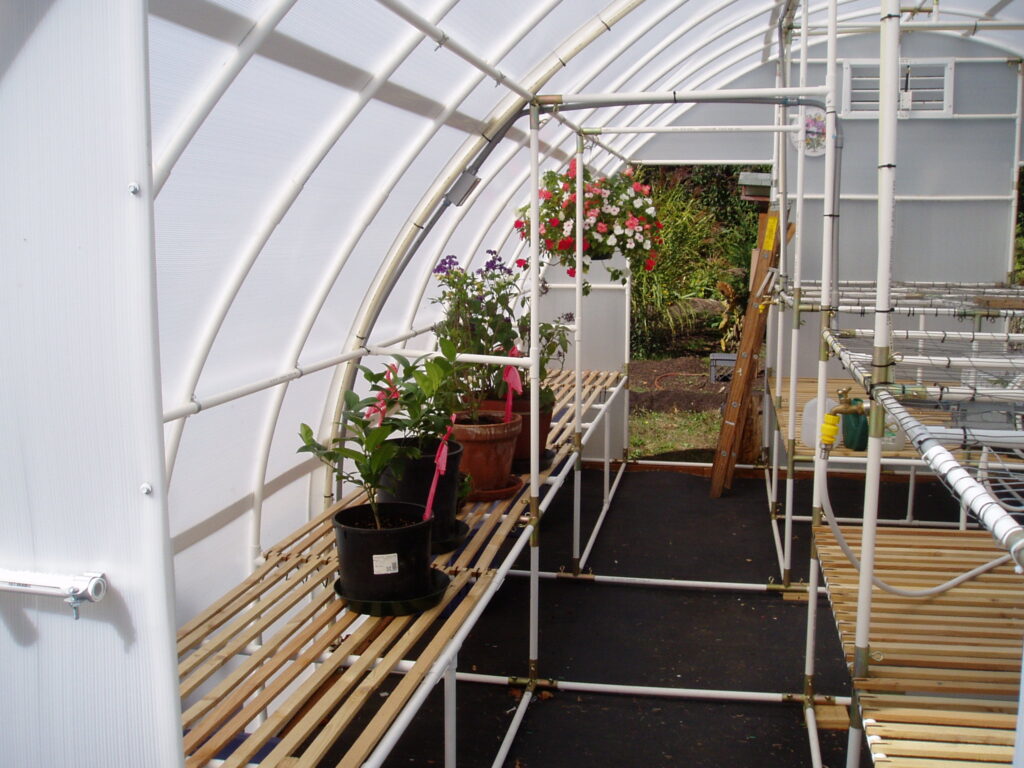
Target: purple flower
(494,264)
(446,265)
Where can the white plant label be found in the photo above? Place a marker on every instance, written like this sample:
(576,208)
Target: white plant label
(385,564)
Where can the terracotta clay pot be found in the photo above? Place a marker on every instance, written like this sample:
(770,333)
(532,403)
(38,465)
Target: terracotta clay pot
(487,448)
(521,405)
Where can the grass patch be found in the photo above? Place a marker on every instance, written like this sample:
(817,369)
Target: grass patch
(654,433)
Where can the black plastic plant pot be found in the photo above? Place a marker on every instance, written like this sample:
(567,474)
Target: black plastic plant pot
(386,571)
(412,485)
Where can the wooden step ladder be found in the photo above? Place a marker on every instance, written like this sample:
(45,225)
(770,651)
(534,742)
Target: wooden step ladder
(755,319)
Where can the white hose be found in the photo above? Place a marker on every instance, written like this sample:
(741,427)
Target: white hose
(826,506)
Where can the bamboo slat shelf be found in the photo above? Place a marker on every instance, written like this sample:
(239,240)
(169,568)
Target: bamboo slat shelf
(944,675)
(282,642)
(806,390)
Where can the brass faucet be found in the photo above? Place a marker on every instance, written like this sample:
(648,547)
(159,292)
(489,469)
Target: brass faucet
(846,405)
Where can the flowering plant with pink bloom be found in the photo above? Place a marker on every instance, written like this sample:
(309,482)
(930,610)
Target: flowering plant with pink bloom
(408,399)
(619,217)
(485,313)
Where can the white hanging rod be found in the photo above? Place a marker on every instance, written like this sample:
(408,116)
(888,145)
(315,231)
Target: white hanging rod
(600,287)
(697,129)
(445,40)
(634,160)
(768,95)
(898,285)
(196,405)
(1007,338)
(912,311)
(520,362)
(869,197)
(72,589)
(954,59)
(945,361)
(922,26)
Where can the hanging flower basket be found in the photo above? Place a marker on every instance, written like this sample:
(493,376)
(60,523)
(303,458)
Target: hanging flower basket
(620,217)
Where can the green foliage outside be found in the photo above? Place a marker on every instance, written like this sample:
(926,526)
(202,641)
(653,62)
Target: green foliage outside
(657,434)
(708,232)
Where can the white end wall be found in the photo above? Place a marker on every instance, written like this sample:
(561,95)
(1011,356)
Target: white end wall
(81,433)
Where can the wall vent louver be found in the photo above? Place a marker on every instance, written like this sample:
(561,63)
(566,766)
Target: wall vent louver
(926,89)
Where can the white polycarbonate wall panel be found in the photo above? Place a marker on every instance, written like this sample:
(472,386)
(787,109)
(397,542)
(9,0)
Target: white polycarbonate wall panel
(985,89)
(479,23)
(362,34)
(216,199)
(432,72)
(565,17)
(81,460)
(214,469)
(251,340)
(180,62)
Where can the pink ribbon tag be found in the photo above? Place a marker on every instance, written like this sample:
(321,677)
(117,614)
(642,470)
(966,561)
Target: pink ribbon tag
(440,465)
(515,384)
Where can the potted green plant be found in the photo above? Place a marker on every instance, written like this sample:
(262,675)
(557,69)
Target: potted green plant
(383,546)
(554,343)
(427,470)
(479,318)
(619,217)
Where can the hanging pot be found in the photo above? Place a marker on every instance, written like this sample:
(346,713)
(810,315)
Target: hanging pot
(410,481)
(386,571)
(521,454)
(487,447)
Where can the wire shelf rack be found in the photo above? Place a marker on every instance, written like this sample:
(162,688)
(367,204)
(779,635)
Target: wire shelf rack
(959,300)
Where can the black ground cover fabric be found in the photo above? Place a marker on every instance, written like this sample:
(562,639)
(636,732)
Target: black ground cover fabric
(660,525)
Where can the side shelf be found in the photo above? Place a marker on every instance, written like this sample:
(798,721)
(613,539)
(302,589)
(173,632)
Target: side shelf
(294,668)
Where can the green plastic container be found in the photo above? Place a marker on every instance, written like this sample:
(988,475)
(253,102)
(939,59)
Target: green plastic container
(855,429)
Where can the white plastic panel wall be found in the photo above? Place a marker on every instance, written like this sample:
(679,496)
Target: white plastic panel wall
(81,460)
(292,138)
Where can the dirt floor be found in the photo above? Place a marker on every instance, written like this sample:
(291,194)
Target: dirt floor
(677,383)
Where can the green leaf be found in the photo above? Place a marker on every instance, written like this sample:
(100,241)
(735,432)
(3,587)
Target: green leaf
(351,400)
(447,349)
(347,453)
(374,437)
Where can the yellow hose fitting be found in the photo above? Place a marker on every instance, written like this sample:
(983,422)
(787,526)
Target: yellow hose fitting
(829,429)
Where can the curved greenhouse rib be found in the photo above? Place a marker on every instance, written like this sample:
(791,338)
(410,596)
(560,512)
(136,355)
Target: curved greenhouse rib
(273,215)
(214,87)
(501,207)
(393,263)
(320,297)
(662,111)
(678,110)
(568,137)
(671,111)
(601,66)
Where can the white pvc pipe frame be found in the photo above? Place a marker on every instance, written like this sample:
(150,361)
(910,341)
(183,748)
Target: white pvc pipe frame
(368,310)
(990,513)
(887,122)
(300,372)
(945,392)
(204,104)
(279,207)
